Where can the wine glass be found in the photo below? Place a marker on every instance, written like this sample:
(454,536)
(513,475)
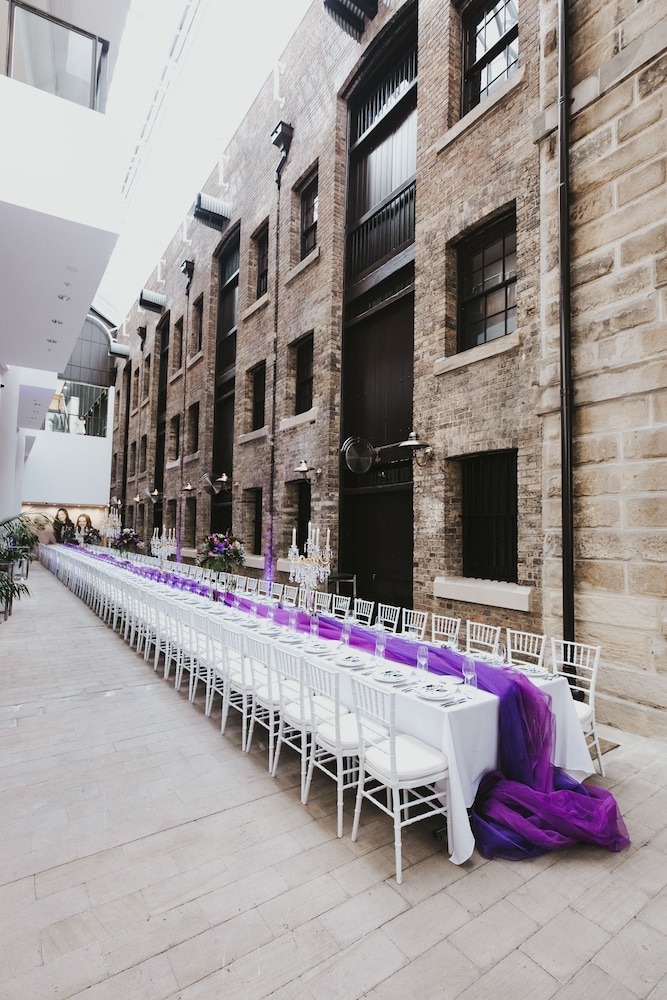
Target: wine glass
(501,652)
(469,674)
(314,627)
(380,644)
(422,659)
(292,621)
(345,635)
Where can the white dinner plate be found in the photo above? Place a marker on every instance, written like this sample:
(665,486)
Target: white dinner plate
(392,675)
(292,637)
(534,671)
(318,648)
(350,660)
(437,691)
(270,630)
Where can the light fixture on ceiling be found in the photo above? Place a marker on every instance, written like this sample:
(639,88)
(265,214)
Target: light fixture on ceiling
(308,472)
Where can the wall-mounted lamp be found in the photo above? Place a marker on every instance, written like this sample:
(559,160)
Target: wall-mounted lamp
(422,452)
(153,495)
(115,502)
(214,486)
(308,472)
(138,498)
(281,137)
(360,455)
(188,269)
(188,488)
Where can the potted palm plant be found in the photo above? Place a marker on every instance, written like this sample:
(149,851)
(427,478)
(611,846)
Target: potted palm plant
(17,538)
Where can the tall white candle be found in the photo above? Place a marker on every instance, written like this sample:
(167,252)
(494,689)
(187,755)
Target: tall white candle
(310,530)
(293,536)
(328,537)
(317,539)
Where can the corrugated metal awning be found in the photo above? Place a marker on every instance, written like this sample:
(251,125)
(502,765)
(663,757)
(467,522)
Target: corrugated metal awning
(351,15)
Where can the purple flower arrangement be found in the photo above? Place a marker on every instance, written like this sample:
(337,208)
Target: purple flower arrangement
(127,540)
(222,552)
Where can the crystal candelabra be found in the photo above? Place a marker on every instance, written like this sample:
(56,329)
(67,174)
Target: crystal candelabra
(313,567)
(163,545)
(111,526)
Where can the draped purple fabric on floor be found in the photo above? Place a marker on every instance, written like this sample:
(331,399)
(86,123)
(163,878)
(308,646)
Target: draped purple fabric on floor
(528,806)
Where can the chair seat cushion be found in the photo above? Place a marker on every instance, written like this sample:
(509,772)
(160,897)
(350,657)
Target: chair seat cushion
(349,734)
(266,697)
(584,713)
(239,682)
(414,760)
(325,709)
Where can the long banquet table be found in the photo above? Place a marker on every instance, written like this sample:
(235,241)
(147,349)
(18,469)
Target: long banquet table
(467,732)
(479,735)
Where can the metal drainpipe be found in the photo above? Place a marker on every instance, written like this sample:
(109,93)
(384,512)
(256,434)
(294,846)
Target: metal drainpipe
(126,433)
(185,340)
(268,569)
(567,518)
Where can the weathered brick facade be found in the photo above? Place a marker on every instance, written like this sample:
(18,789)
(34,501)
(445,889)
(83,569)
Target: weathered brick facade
(500,396)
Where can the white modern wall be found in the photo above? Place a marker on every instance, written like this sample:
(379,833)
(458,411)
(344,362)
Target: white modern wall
(69,468)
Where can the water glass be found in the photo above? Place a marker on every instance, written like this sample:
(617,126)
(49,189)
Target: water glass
(271,615)
(380,644)
(314,627)
(422,658)
(501,652)
(345,634)
(292,621)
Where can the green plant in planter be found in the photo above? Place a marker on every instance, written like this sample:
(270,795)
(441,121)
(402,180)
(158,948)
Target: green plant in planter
(18,535)
(17,538)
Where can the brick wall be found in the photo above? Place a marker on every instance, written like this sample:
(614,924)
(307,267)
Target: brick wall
(502,395)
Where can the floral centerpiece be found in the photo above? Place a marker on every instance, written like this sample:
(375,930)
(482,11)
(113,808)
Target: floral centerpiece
(222,552)
(127,540)
(68,535)
(92,537)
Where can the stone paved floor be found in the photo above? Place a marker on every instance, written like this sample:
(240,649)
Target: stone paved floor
(145,857)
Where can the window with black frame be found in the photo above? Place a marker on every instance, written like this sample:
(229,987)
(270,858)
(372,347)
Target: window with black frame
(490,48)
(193,429)
(309,216)
(487,284)
(304,374)
(198,325)
(262,256)
(228,296)
(175,437)
(177,345)
(489,516)
(254,501)
(258,378)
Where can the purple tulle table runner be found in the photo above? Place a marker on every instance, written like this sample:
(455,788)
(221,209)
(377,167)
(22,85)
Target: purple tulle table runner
(527,806)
